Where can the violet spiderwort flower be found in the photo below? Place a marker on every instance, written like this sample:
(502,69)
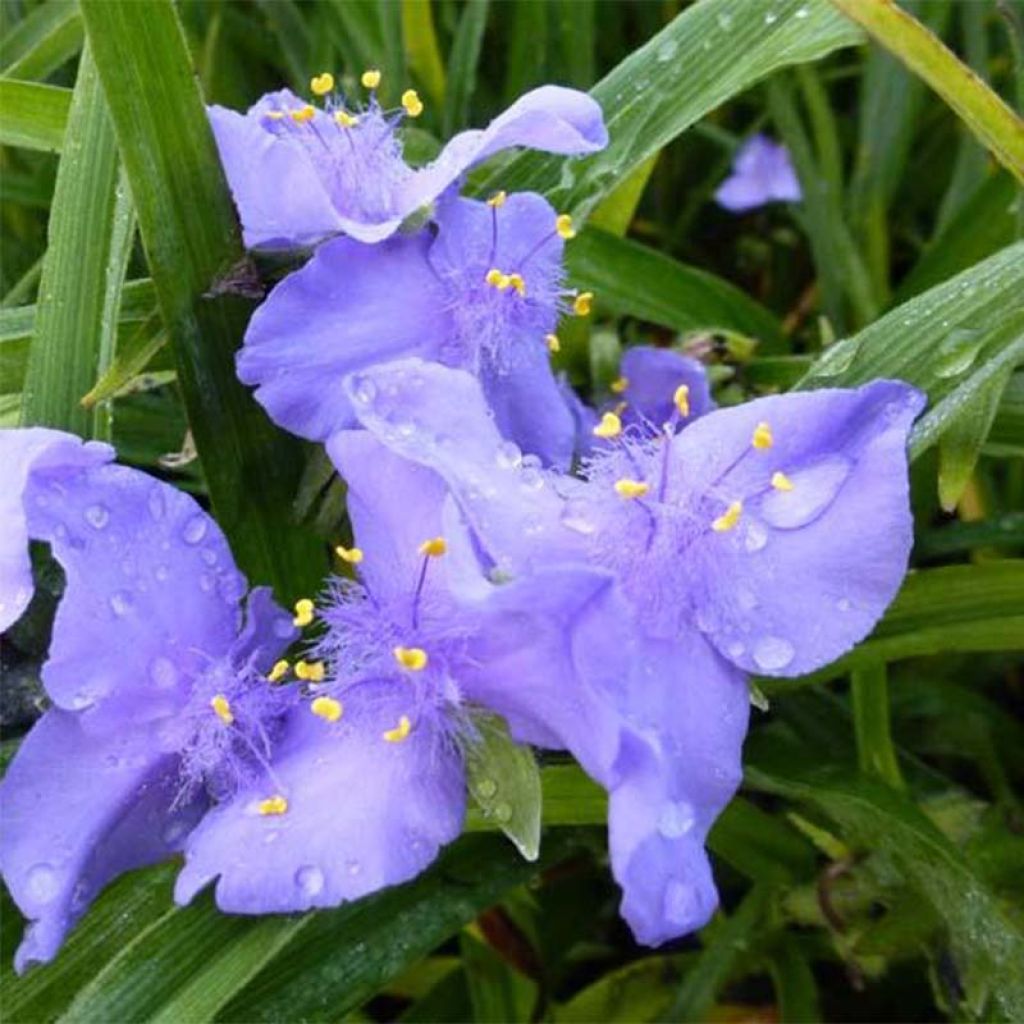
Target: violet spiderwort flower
(761,173)
(484,293)
(767,537)
(372,766)
(300,174)
(160,701)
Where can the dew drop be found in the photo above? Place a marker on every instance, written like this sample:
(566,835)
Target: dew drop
(508,455)
(576,517)
(112,761)
(802,12)
(725,21)
(746,598)
(666,51)
(772,653)
(43,883)
(486,788)
(503,813)
(814,490)
(209,556)
(206,582)
(958,352)
(174,831)
(353,867)
(97,516)
(161,572)
(121,603)
(837,358)
(156,504)
(756,536)
(676,819)
(680,903)
(163,674)
(365,391)
(194,530)
(770,18)
(844,604)
(309,879)
(735,649)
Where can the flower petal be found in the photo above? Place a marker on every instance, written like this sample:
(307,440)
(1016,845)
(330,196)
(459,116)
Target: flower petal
(807,571)
(691,708)
(268,630)
(350,306)
(152,591)
(653,376)
(79,809)
(551,118)
(362,813)
(22,452)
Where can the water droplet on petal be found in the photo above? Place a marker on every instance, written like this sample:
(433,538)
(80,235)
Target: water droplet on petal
(194,530)
(309,879)
(680,903)
(161,572)
(121,602)
(156,503)
(756,536)
(746,598)
(814,490)
(365,391)
(772,653)
(174,831)
(676,819)
(97,516)
(353,867)
(43,883)
(209,556)
(576,517)
(844,604)
(163,673)
(508,455)
(735,649)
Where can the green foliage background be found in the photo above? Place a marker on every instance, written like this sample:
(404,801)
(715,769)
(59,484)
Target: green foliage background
(871,868)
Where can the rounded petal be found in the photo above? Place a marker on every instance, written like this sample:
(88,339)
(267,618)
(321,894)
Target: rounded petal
(362,813)
(690,708)
(22,452)
(152,592)
(653,376)
(352,305)
(281,200)
(551,118)
(79,809)
(808,570)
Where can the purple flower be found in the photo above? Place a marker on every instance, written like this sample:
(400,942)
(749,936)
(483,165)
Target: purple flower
(299,174)
(482,293)
(761,173)
(371,766)
(767,538)
(160,700)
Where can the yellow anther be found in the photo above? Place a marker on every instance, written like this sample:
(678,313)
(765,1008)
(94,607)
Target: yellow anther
(781,482)
(619,385)
(729,518)
(498,199)
(682,399)
(516,281)
(351,555)
(370,78)
(327,708)
(304,114)
(581,304)
(552,342)
(345,119)
(494,277)
(310,671)
(563,225)
(434,548)
(762,436)
(412,103)
(322,84)
(275,804)
(400,731)
(303,612)
(626,488)
(222,709)
(278,671)
(274,115)
(412,658)
(610,426)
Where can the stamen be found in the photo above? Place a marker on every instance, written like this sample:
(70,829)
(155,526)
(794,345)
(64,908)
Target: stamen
(552,342)
(400,731)
(412,103)
(327,708)
(517,282)
(610,426)
(322,84)
(434,548)
(345,119)
(629,489)
(278,671)
(581,304)
(304,610)
(781,482)
(275,804)
(303,114)
(498,199)
(351,555)
(494,277)
(412,658)
(681,398)
(222,709)
(729,518)
(370,78)
(310,671)
(619,385)
(762,436)
(563,225)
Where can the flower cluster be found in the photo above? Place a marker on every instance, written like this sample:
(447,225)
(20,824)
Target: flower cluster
(602,578)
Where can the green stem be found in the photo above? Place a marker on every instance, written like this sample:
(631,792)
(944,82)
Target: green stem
(875,751)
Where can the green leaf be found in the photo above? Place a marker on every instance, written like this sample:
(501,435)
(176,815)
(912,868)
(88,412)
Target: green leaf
(795,987)
(136,349)
(463,60)
(421,49)
(370,36)
(83,272)
(615,212)
(191,238)
(504,780)
(527,46)
(42,41)
(497,992)
(869,690)
(635,280)
(711,52)
(639,991)
(34,115)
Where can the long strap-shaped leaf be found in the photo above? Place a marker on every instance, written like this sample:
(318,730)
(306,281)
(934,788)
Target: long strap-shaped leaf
(191,238)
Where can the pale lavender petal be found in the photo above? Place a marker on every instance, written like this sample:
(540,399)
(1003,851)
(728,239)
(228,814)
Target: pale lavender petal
(79,809)
(267,631)
(362,813)
(653,376)
(762,173)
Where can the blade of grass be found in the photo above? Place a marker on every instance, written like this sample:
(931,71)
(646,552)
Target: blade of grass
(34,115)
(191,237)
(463,60)
(42,41)
(421,50)
(869,689)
